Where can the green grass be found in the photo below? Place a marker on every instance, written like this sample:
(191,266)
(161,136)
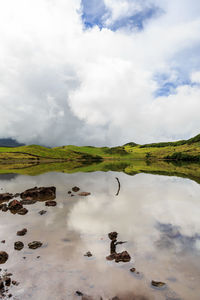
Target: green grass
(182,150)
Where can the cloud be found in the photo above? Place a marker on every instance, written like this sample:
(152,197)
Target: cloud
(62,83)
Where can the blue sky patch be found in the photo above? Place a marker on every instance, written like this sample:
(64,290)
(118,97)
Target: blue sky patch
(95,13)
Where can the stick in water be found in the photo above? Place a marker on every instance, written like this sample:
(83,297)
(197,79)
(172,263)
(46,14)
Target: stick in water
(119,186)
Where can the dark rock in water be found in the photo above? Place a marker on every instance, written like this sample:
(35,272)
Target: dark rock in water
(40,193)
(7,281)
(84,194)
(119,257)
(3,242)
(14,282)
(42,212)
(88,254)
(17,195)
(69,192)
(5,197)
(158,283)
(111,256)
(113,235)
(18,245)
(50,203)
(3,257)
(75,189)
(38,256)
(22,211)
(79,293)
(14,206)
(34,245)
(133,270)
(123,256)
(22,232)
(28,201)
(115,298)
(4,207)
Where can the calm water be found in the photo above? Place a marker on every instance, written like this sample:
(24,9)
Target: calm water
(158,216)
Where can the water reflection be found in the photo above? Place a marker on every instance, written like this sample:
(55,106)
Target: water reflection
(158,217)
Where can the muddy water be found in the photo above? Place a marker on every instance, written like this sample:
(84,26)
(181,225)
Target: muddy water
(158,216)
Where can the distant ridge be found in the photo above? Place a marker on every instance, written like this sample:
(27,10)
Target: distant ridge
(9,143)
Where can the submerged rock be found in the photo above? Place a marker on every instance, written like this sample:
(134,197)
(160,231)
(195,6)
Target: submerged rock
(22,211)
(15,206)
(79,293)
(88,254)
(50,203)
(18,245)
(4,207)
(158,283)
(133,270)
(42,212)
(34,245)
(5,197)
(3,257)
(119,257)
(40,193)
(3,242)
(22,232)
(28,201)
(123,256)
(84,194)
(75,189)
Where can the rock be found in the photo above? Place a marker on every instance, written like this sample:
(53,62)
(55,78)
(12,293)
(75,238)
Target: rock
(50,203)
(40,193)
(79,293)
(22,211)
(158,283)
(88,254)
(7,281)
(111,256)
(3,242)
(34,245)
(28,201)
(5,197)
(133,270)
(14,282)
(3,257)
(75,189)
(14,206)
(123,256)
(4,207)
(113,235)
(18,245)
(69,192)
(16,195)
(22,232)
(42,212)
(84,194)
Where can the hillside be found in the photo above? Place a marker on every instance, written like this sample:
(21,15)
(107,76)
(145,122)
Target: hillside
(184,150)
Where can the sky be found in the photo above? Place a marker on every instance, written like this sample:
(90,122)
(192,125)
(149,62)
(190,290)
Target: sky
(99,72)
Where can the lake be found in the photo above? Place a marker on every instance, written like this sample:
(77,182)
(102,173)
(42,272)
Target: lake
(158,217)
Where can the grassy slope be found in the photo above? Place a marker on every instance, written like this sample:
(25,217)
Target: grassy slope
(189,148)
(36,152)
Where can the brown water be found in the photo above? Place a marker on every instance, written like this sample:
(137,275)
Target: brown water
(158,216)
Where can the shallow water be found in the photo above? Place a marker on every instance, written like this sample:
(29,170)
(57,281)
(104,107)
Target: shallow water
(158,216)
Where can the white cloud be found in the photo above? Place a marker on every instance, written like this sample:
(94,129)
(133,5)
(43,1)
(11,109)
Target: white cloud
(62,84)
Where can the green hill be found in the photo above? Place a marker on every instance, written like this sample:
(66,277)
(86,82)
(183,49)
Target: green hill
(184,150)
